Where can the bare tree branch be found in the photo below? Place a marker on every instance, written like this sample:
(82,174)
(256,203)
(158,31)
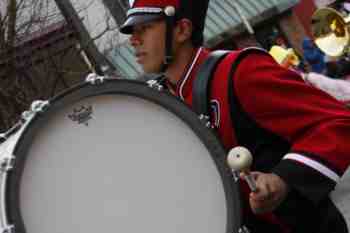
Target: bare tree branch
(38,53)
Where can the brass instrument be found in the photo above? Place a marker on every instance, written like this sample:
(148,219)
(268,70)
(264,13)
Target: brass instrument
(330,31)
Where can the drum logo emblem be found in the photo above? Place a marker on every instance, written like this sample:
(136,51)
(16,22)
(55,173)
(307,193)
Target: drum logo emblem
(81,115)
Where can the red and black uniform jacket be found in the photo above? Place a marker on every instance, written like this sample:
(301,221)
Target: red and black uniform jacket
(309,128)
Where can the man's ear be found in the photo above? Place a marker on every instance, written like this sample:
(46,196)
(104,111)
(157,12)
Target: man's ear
(183,30)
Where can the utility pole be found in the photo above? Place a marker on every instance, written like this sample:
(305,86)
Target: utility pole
(117,9)
(99,63)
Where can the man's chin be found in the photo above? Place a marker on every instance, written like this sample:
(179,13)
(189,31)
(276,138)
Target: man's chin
(153,70)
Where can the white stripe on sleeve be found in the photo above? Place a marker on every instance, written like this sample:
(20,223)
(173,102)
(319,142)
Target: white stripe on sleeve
(313,164)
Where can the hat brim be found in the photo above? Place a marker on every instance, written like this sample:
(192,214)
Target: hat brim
(127,27)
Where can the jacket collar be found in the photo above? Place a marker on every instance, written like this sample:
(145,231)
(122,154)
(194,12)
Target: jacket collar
(184,86)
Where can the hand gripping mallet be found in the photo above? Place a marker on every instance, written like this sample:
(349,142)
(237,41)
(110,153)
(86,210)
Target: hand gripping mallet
(240,159)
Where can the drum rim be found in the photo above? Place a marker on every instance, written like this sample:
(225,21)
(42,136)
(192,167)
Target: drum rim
(130,88)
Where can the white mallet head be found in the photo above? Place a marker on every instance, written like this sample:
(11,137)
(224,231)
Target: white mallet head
(239,158)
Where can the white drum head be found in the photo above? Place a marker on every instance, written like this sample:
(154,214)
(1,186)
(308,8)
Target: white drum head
(118,163)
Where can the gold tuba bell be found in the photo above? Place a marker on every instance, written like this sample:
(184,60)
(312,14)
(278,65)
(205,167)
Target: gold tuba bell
(330,31)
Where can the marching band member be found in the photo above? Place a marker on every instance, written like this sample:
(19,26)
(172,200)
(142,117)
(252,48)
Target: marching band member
(299,135)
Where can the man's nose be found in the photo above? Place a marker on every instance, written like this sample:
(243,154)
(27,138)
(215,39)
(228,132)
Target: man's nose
(134,40)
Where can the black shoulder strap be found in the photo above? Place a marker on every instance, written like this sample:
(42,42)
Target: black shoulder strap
(240,120)
(201,89)
(200,101)
(248,133)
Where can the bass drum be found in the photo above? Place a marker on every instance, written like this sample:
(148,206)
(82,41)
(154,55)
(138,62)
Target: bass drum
(117,156)
(340,197)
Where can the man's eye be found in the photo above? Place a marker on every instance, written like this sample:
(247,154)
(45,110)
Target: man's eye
(145,27)
(142,28)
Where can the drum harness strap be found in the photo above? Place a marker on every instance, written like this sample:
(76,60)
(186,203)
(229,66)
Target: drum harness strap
(201,86)
(248,133)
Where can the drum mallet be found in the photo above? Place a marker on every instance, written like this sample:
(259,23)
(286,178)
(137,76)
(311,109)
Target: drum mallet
(240,159)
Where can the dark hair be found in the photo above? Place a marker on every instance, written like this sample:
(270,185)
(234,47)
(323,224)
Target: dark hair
(195,11)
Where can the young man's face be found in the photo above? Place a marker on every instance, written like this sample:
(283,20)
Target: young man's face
(148,40)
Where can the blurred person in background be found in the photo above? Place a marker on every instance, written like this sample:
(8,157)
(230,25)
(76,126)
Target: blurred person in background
(338,68)
(339,89)
(314,56)
(286,57)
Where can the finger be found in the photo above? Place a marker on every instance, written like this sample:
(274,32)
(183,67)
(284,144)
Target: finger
(241,175)
(263,191)
(261,206)
(253,175)
(257,205)
(272,191)
(256,174)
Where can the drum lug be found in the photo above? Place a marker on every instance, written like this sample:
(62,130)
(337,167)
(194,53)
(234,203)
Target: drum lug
(243,229)
(206,121)
(7,163)
(37,106)
(153,83)
(94,79)
(8,229)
